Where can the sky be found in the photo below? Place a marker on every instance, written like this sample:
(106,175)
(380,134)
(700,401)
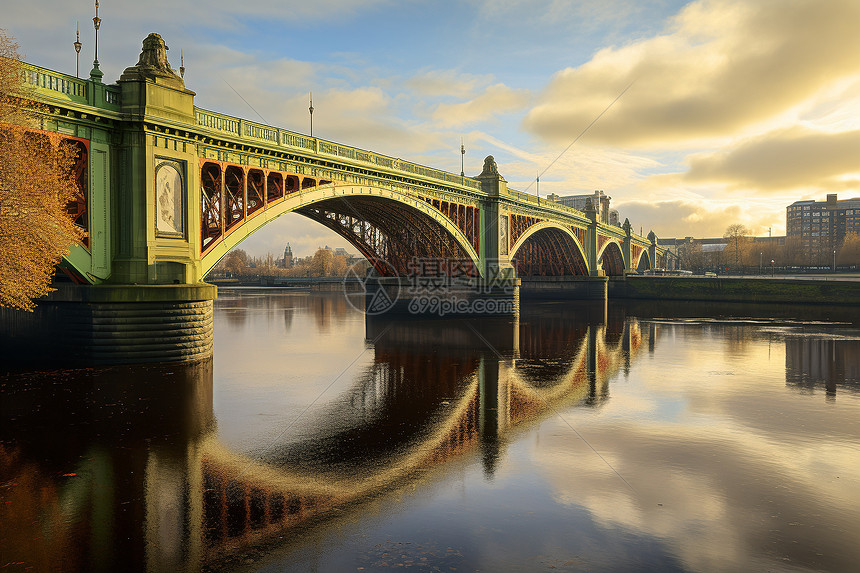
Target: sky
(729,110)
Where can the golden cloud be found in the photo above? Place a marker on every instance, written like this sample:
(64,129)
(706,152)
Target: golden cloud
(785,159)
(496,99)
(723,66)
(703,218)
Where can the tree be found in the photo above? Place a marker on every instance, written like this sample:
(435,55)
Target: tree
(236,262)
(36,187)
(849,253)
(737,238)
(322,263)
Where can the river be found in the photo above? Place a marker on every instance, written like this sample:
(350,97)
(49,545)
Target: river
(580,437)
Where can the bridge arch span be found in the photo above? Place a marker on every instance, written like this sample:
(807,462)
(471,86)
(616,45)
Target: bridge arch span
(548,249)
(611,259)
(383,224)
(643,262)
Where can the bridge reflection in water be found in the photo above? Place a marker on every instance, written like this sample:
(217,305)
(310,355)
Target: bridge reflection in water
(132,474)
(436,390)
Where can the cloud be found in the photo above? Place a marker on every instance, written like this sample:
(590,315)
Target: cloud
(447,83)
(496,99)
(681,218)
(785,159)
(723,66)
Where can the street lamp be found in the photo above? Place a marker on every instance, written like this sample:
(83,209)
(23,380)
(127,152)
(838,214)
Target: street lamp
(97,22)
(77,45)
(759,262)
(771,268)
(834,260)
(311,110)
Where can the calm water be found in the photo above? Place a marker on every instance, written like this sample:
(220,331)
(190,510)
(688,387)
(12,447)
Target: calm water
(633,438)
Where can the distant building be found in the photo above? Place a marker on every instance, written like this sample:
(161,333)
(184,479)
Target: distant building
(598,199)
(288,257)
(771,241)
(821,226)
(613,218)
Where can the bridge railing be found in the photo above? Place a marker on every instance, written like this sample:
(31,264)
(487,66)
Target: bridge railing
(606,228)
(56,83)
(269,135)
(535,200)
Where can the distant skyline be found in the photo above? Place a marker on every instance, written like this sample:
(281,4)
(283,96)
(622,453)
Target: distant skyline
(735,109)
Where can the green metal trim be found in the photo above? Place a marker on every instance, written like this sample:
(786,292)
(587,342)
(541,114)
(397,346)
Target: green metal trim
(80,259)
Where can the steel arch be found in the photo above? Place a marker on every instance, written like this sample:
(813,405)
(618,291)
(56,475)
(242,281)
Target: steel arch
(611,258)
(643,253)
(548,250)
(304,200)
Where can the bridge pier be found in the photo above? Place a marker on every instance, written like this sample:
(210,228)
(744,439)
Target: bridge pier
(111,324)
(567,287)
(437,296)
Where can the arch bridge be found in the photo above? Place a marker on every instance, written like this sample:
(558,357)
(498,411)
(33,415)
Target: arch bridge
(168,188)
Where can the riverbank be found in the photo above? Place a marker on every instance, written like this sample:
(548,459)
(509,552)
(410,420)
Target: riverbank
(738,289)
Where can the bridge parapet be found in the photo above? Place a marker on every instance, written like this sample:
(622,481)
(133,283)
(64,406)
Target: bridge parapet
(269,135)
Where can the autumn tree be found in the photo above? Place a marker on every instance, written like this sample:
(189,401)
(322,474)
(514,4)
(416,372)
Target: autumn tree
(737,240)
(849,253)
(339,266)
(236,262)
(691,257)
(36,186)
(322,263)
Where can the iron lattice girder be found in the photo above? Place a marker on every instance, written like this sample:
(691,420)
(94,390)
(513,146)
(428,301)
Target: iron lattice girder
(519,224)
(256,190)
(230,193)
(210,183)
(77,207)
(467,218)
(549,252)
(387,231)
(234,186)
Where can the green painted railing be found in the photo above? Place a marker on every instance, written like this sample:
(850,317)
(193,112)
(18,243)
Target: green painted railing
(112,95)
(218,122)
(534,200)
(272,135)
(55,83)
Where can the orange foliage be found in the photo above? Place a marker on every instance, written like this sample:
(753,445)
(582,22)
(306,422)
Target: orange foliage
(36,185)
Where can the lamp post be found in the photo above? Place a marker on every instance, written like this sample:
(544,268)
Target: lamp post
(77,50)
(834,260)
(311,110)
(96,73)
(462,158)
(759,262)
(771,269)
